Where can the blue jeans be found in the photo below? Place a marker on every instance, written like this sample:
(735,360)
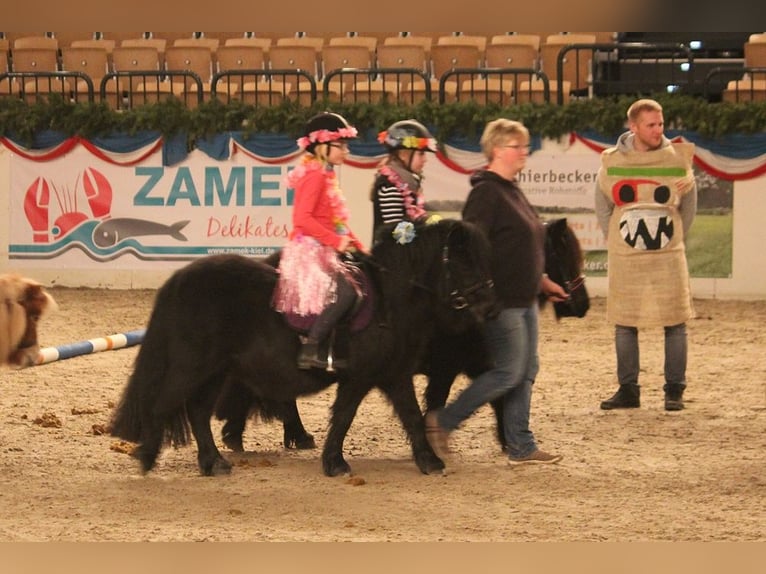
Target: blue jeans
(512,341)
(626,345)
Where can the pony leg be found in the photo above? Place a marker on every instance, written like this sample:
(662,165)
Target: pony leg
(440,379)
(441,373)
(405,403)
(232,432)
(347,401)
(448,356)
(149,448)
(234,407)
(200,410)
(295,434)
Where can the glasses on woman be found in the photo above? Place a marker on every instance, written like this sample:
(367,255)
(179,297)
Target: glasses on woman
(524,147)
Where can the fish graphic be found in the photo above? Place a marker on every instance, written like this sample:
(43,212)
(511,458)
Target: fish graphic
(112,231)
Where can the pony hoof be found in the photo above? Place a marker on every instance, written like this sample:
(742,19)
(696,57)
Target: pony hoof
(337,469)
(431,465)
(234,444)
(145,460)
(305,442)
(219,467)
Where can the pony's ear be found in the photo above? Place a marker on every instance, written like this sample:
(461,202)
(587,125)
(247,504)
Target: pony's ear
(558,224)
(457,234)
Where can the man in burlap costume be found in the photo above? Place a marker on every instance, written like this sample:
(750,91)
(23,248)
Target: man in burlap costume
(645,203)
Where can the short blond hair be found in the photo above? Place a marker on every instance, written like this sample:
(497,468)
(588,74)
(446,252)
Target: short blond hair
(499,131)
(643,105)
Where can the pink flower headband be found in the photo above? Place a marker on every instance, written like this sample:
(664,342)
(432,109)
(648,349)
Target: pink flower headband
(324,136)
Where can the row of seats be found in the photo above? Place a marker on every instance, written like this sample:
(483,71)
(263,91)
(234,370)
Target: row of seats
(751,85)
(205,57)
(515,67)
(213,40)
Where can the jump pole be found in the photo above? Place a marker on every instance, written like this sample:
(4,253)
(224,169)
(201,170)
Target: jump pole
(109,343)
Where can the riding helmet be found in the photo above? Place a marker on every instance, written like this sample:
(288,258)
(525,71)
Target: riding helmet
(325,127)
(407,134)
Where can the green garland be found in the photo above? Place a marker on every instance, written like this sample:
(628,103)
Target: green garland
(605,116)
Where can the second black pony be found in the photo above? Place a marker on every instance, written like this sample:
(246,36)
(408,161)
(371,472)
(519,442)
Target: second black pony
(445,357)
(213,327)
(449,356)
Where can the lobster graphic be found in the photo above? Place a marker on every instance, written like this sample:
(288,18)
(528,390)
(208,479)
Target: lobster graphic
(37,203)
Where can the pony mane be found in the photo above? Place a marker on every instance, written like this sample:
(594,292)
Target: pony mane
(562,236)
(564,264)
(403,258)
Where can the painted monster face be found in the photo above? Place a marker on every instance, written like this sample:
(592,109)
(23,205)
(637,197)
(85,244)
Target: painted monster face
(646,220)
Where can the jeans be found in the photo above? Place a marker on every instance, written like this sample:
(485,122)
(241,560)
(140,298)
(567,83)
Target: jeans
(626,345)
(512,341)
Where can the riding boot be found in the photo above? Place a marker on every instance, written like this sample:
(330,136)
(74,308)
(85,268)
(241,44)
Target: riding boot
(674,396)
(626,397)
(308,357)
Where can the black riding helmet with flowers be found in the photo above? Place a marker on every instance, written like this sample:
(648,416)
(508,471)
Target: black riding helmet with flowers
(325,127)
(407,134)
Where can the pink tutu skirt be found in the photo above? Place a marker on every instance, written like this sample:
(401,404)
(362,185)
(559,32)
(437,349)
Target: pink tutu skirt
(307,271)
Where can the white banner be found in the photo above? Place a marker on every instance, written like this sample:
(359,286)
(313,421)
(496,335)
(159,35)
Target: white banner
(558,185)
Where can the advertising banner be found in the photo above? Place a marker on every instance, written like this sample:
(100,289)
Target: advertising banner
(79,210)
(79,206)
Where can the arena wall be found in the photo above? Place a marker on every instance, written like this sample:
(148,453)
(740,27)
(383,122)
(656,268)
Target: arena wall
(748,279)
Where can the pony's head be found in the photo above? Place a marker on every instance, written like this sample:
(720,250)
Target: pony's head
(564,265)
(23,302)
(448,260)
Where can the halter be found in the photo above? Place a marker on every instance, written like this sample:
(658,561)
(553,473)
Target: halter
(460,298)
(571,284)
(574,284)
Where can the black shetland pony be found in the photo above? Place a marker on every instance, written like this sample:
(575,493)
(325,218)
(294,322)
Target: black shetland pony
(450,356)
(213,327)
(446,356)
(564,265)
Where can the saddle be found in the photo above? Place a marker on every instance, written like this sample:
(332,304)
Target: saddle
(334,348)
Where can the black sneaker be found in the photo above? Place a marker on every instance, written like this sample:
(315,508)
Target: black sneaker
(674,397)
(626,397)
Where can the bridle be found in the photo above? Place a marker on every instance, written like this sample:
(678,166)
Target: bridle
(574,284)
(461,297)
(571,284)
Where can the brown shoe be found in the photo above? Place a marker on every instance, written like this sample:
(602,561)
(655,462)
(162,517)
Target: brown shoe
(437,437)
(536,457)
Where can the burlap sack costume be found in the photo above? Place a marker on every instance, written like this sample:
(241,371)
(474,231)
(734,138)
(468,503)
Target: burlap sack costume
(648,274)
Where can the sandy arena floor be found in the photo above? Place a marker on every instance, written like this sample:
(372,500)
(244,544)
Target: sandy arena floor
(638,475)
